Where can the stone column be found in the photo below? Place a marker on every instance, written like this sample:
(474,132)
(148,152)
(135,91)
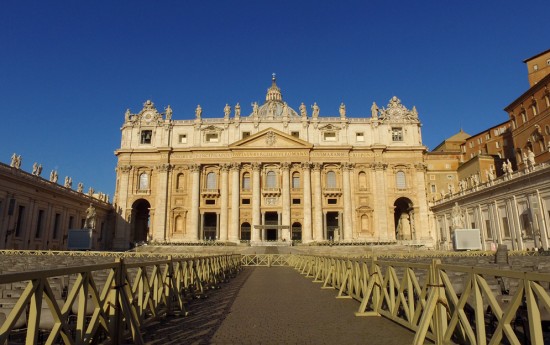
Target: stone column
(306,226)
(382,210)
(192,233)
(159,226)
(285,233)
(235,202)
(256,200)
(224,202)
(348,228)
(122,227)
(317,203)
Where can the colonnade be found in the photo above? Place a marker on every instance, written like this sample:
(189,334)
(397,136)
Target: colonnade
(312,220)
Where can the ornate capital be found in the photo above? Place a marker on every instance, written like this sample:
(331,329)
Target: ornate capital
(306,165)
(195,167)
(124,168)
(421,166)
(317,166)
(224,167)
(379,166)
(235,166)
(164,167)
(285,165)
(348,166)
(256,166)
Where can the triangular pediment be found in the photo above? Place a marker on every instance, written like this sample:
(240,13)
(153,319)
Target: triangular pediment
(271,138)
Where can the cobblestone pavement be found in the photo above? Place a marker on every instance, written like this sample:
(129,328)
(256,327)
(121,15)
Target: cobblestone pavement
(275,305)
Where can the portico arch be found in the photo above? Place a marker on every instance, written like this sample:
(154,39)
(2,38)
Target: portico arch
(140,221)
(404,218)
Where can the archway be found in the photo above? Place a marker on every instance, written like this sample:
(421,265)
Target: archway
(404,218)
(140,223)
(245,231)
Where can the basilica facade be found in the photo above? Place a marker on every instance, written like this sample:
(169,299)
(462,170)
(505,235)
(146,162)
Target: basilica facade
(272,174)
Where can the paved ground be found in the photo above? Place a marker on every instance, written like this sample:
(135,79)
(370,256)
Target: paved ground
(275,305)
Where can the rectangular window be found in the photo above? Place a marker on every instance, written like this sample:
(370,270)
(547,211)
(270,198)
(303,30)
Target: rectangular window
(432,177)
(487,137)
(505,227)
(360,136)
(526,225)
(296,201)
(245,202)
(497,145)
(332,201)
(212,137)
(71,222)
(295,134)
(397,134)
(329,136)
(55,231)
(488,229)
(433,188)
(210,202)
(19,225)
(183,139)
(471,144)
(146,136)
(245,135)
(39,222)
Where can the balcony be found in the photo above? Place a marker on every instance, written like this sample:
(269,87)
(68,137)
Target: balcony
(271,191)
(332,192)
(210,193)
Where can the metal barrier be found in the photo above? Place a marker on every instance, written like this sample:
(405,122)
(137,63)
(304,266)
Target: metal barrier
(110,301)
(265,259)
(444,303)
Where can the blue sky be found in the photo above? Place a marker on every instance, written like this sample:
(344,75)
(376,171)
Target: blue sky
(69,69)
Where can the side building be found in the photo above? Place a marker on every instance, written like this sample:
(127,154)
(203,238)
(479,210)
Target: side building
(36,213)
(503,182)
(274,174)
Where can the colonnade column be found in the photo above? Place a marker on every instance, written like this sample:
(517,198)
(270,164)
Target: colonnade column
(224,202)
(159,226)
(317,203)
(256,199)
(306,226)
(235,198)
(122,227)
(348,228)
(192,233)
(286,201)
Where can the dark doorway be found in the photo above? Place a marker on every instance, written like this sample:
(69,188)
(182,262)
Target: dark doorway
(403,217)
(209,227)
(296,231)
(271,218)
(332,224)
(245,232)
(140,221)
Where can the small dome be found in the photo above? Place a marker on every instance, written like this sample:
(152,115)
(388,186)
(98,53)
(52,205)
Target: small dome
(274,106)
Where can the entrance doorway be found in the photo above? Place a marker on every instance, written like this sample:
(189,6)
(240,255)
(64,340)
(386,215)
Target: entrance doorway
(271,218)
(140,221)
(209,227)
(332,225)
(245,231)
(296,231)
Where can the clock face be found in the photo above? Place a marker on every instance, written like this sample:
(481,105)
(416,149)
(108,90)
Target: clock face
(148,117)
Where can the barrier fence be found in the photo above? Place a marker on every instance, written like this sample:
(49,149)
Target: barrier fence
(441,302)
(104,302)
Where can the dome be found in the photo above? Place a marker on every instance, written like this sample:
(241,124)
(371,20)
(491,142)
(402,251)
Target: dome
(274,106)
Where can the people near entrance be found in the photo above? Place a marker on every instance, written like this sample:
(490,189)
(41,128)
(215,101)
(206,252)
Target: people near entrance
(90,217)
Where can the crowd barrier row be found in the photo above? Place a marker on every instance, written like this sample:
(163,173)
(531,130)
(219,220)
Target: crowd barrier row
(107,302)
(441,302)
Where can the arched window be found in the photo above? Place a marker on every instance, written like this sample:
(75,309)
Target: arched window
(143,181)
(211,180)
(245,231)
(514,124)
(400,181)
(180,182)
(331,179)
(523,117)
(246,181)
(271,181)
(547,101)
(295,180)
(534,109)
(362,180)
